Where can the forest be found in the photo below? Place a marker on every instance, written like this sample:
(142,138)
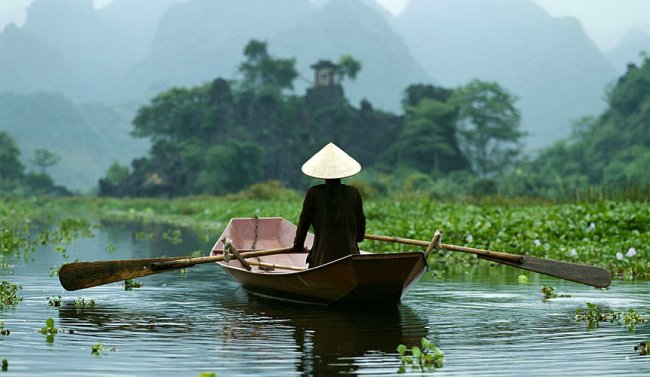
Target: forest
(226,135)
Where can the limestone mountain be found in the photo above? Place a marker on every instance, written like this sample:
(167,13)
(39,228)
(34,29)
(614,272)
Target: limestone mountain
(549,63)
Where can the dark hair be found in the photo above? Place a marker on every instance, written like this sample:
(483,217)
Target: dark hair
(333,194)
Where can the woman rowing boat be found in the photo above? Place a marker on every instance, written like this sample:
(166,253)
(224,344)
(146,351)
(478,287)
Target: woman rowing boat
(335,210)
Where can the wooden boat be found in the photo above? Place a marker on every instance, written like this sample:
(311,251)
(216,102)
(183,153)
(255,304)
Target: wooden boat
(354,279)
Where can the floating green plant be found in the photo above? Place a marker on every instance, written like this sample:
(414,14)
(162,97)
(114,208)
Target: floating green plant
(54,301)
(551,292)
(9,293)
(429,356)
(99,349)
(129,284)
(6,268)
(207,374)
(630,318)
(82,303)
(522,279)
(5,365)
(175,236)
(49,330)
(594,314)
(643,348)
(3,331)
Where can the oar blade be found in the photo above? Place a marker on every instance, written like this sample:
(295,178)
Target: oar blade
(80,275)
(579,273)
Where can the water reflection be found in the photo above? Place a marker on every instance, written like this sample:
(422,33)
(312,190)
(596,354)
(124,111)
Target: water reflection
(326,339)
(128,322)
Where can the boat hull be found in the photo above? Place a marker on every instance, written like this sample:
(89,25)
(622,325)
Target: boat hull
(357,279)
(354,279)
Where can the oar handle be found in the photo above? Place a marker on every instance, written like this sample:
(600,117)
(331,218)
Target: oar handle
(486,253)
(189,262)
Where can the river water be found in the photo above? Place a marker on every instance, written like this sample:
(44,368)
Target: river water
(485,319)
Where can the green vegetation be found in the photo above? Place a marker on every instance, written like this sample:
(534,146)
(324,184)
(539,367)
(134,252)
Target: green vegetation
(209,139)
(130,284)
(98,349)
(595,314)
(55,301)
(608,234)
(3,330)
(429,356)
(643,348)
(9,293)
(551,292)
(49,330)
(82,303)
(13,178)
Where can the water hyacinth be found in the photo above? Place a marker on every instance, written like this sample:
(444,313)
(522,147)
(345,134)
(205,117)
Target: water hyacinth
(469,238)
(630,252)
(573,253)
(537,242)
(592,227)
(619,256)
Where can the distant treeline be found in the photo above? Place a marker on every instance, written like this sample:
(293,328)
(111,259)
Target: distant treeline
(15,180)
(223,136)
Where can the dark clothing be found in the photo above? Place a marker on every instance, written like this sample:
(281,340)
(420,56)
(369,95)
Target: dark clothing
(331,241)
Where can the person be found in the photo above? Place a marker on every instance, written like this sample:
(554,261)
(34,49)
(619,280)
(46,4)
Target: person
(334,209)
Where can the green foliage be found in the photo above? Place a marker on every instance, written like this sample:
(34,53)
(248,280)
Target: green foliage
(11,169)
(643,348)
(207,374)
(14,180)
(44,158)
(9,293)
(3,330)
(5,365)
(606,156)
(427,357)
(489,128)
(130,284)
(595,314)
(550,292)
(99,350)
(82,303)
(347,66)
(55,301)
(117,173)
(49,330)
(263,72)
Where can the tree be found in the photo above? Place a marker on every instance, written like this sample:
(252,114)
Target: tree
(426,142)
(12,171)
(262,72)
(44,158)
(488,131)
(347,66)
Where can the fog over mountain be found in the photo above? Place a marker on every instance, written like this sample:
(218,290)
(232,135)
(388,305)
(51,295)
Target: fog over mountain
(629,50)
(549,63)
(129,50)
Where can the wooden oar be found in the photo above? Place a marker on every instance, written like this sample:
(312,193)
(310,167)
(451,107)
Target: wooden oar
(579,273)
(79,275)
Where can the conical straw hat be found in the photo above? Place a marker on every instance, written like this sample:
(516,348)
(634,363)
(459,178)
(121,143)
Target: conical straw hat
(331,162)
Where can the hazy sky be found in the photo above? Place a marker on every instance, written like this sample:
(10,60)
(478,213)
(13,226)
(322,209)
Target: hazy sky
(605,21)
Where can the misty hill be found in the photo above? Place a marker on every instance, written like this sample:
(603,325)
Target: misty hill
(629,50)
(28,64)
(351,27)
(550,63)
(200,40)
(88,138)
(80,51)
